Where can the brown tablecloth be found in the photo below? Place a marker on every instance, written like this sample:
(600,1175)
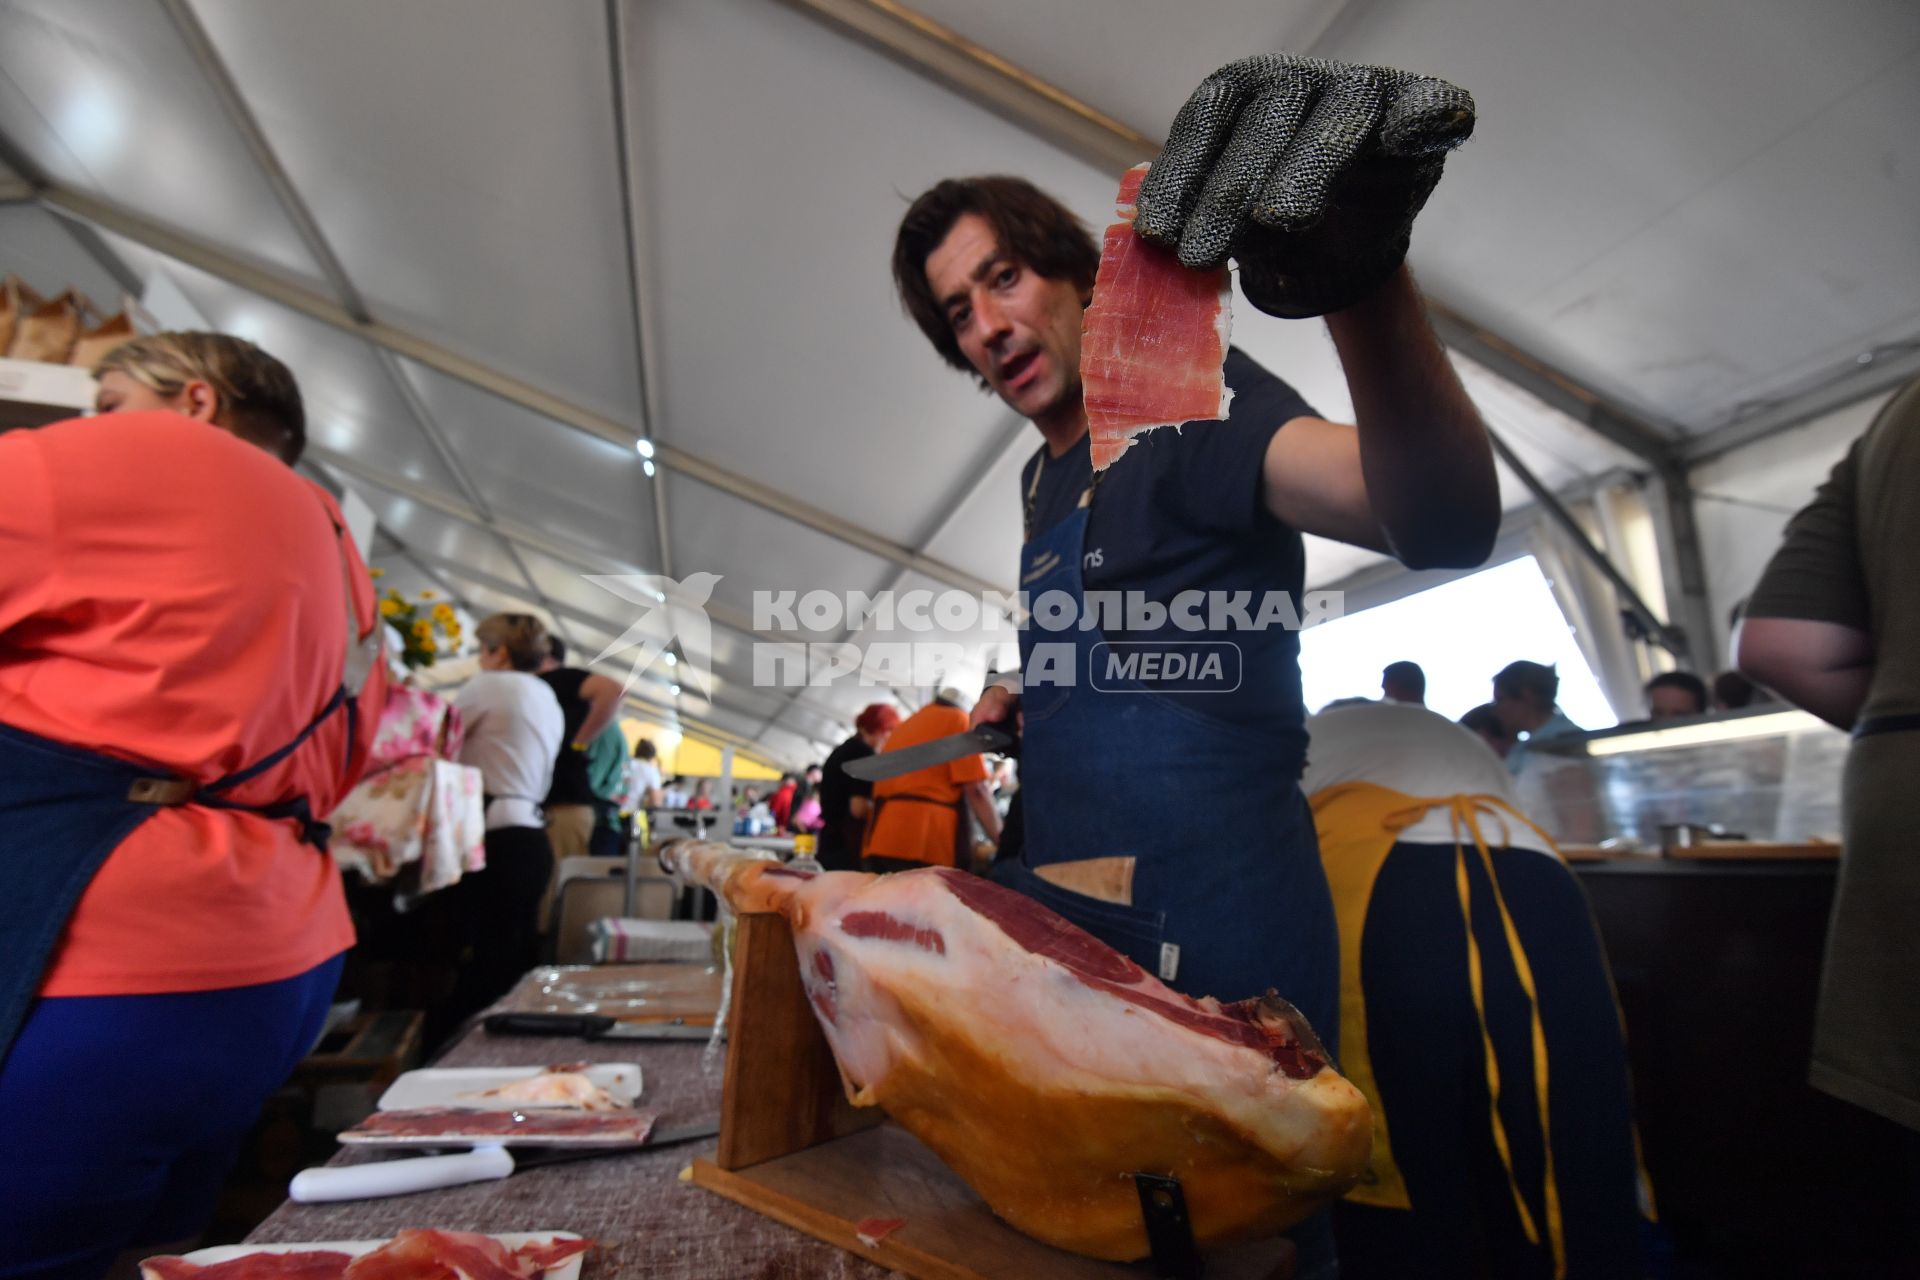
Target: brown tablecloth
(648,1223)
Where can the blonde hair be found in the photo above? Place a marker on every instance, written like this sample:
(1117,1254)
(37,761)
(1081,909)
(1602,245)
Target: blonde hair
(259,400)
(522,635)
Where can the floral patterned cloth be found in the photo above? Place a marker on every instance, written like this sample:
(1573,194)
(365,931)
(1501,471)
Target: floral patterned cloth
(416,723)
(418,824)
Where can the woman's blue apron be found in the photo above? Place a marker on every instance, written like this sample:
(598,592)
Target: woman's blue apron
(1228,896)
(64,809)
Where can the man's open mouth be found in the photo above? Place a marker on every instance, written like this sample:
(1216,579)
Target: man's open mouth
(1013,369)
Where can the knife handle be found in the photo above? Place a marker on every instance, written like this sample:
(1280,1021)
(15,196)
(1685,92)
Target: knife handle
(399,1177)
(586,1025)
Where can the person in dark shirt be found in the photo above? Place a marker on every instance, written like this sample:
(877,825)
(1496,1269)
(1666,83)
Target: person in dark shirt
(846,802)
(1834,627)
(1201,528)
(1221,894)
(589,702)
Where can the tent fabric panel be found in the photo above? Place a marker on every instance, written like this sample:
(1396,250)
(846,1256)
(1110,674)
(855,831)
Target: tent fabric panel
(784,355)
(106,97)
(38,249)
(756,550)
(446,539)
(1572,218)
(459,156)
(536,471)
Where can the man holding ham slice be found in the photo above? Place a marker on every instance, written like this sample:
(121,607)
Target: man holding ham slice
(1167,819)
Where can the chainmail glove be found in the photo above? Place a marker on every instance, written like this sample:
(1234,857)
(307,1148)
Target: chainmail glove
(1308,172)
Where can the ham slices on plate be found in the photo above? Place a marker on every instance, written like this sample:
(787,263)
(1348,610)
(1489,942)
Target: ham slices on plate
(411,1255)
(569,1086)
(1154,342)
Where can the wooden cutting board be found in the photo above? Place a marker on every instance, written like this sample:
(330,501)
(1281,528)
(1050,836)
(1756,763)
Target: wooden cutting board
(623,992)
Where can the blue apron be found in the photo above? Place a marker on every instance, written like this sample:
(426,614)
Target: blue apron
(1229,898)
(64,809)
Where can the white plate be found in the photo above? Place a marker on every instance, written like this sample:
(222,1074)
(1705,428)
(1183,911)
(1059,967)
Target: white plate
(568,1270)
(459,1086)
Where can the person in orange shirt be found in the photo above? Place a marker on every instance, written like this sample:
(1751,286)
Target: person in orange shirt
(190,672)
(919,818)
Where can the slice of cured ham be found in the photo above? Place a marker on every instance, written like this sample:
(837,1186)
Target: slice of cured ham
(315,1265)
(560,1087)
(1045,1067)
(1154,340)
(425,1125)
(411,1255)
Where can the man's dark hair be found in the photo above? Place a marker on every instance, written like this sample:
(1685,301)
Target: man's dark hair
(1733,690)
(1686,680)
(1030,226)
(1529,679)
(1485,721)
(644,749)
(558,648)
(1404,677)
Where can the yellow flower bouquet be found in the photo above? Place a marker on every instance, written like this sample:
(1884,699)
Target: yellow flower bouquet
(428,628)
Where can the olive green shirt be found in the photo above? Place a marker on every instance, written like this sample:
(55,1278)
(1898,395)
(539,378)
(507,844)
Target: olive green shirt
(1852,557)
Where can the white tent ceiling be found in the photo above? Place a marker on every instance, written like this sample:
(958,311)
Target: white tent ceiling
(498,242)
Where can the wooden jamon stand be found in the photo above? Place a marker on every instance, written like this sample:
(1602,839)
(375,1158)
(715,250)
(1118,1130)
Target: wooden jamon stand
(793,1148)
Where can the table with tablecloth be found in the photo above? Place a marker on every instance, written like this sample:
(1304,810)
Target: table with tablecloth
(647,1222)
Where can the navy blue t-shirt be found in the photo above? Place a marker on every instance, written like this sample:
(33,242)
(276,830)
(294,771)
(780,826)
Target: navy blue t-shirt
(1182,510)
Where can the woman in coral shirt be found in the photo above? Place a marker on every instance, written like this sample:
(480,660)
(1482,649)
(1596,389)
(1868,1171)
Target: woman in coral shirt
(186,638)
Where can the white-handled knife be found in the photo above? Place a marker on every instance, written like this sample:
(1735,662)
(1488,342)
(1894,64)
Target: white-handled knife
(485,1163)
(399,1177)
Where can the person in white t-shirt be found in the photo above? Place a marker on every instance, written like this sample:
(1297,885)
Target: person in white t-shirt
(645,775)
(1466,949)
(513,728)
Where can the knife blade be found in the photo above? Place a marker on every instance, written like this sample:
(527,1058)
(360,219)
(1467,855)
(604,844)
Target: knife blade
(593,1026)
(665,1136)
(891,764)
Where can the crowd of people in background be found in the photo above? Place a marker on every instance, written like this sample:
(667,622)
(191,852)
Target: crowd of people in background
(1525,706)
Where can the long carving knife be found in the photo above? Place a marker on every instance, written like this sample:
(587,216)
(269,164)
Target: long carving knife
(984,738)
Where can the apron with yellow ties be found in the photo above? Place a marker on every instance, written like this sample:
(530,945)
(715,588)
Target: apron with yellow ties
(1478,1018)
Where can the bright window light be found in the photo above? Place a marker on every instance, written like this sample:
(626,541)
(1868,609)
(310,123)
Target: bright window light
(1460,634)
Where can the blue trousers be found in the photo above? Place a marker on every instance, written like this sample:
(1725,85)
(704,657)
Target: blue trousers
(120,1116)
